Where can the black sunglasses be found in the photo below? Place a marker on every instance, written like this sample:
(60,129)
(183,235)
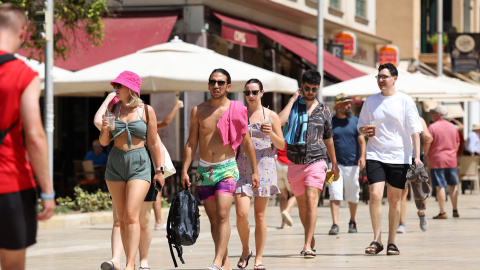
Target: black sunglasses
(248,93)
(116,85)
(213,82)
(308,89)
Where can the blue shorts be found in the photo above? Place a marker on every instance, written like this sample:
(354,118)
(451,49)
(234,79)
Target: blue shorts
(444,177)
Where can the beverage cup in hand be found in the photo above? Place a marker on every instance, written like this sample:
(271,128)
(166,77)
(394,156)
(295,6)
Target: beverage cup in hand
(110,120)
(264,122)
(372,127)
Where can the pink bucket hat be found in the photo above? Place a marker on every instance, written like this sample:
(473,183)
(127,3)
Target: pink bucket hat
(130,80)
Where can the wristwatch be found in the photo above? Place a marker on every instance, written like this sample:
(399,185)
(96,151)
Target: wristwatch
(159,169)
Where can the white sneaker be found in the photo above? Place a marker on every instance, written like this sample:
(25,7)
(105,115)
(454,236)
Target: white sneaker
(159,228)
(287,218)
(401,228)
(423,222)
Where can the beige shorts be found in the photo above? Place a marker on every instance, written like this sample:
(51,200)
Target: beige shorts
(282,180)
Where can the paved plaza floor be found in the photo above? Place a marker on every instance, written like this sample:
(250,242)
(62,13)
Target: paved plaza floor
(452,243)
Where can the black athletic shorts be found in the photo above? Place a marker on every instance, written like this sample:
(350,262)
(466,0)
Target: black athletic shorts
(394,174)
(18,219)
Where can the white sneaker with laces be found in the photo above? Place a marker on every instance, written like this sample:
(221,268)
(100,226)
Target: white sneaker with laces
(401,228)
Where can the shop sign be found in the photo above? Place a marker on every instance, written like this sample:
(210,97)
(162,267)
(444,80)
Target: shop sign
(349,41)
(389,54)
(239,36)
(464,51)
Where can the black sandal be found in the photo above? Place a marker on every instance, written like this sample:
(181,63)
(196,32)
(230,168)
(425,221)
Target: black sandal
(241,261)
(392,249)
(374,248)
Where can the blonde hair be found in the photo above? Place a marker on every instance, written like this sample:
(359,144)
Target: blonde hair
(134,99)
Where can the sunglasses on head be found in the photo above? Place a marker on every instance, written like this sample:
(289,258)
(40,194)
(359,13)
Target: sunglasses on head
(116,86)
(213,82)
(308,89)
(248,93)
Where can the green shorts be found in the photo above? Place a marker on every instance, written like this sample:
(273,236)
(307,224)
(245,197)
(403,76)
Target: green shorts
(128,165)
(211,174)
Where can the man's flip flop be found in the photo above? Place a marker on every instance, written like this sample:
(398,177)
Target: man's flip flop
(374,248)
(241,261)
(107,266)
(214,267)
(392,249)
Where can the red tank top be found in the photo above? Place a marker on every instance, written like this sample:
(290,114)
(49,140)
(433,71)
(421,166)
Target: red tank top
(15,171)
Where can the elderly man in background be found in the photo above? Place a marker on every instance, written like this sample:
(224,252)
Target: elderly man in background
(442,157)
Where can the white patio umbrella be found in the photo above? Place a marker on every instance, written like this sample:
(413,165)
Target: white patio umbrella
(417,85)
(40,68)
(171,67)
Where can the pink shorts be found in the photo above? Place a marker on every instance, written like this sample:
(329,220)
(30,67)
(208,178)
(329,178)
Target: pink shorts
(301,176)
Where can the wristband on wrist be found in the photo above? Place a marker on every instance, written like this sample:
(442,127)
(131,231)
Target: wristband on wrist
(47,197)
(160,169)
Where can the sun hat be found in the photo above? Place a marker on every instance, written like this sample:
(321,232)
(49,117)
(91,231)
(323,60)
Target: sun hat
(130,80)
(442,110)
(340,98)
(476,126)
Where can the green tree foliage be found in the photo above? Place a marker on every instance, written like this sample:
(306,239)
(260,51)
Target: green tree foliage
(73,19)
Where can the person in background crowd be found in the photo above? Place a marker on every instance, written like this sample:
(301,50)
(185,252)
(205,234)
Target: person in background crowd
(96,155)
(350,151)
(425,138)
(442,159)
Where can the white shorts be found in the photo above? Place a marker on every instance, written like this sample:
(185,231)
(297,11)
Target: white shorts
(282,180)
(349,180)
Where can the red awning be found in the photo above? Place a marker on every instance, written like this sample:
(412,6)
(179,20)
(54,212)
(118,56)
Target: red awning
(308,51)
(238,32)
(122,36)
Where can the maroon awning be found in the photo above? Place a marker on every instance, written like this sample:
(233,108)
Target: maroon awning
(122,36)
(238,32)
(308,51)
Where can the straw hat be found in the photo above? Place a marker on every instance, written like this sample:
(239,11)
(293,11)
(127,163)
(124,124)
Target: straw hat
(340,98)
(476,126)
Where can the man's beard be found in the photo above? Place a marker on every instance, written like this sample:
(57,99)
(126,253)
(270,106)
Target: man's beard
(220,95)
(348,113)
(309,99)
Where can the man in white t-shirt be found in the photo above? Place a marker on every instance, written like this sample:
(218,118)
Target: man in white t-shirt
(391,122)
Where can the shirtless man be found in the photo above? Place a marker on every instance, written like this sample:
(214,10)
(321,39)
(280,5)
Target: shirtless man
(217,170)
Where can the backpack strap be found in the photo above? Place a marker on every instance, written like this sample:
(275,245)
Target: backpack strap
(170,233)
(6,57)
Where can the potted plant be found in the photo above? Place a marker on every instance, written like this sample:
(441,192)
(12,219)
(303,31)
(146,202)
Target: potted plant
(434,39)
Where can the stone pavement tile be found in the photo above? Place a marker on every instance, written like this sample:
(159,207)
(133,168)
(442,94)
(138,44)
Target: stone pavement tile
(451,243)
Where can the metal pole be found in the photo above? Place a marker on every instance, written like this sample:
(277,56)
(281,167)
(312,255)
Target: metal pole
(320,47)
(440,37)
(48,110)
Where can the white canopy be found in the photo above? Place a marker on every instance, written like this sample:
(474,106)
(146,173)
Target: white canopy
(170,67)
(417,85)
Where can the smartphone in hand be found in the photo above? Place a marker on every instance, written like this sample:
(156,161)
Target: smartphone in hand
(158,187)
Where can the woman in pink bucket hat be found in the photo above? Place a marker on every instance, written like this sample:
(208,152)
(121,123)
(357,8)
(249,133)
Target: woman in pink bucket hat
(153,197)
(128,173)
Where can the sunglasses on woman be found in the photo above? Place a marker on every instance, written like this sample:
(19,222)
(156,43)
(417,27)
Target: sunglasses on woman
(248,93)
(116,86)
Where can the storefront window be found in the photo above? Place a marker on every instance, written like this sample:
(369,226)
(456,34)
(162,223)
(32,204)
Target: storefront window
(335,4)
(360,8)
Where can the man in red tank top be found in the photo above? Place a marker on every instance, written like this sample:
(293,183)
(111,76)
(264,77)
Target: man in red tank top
(20,111)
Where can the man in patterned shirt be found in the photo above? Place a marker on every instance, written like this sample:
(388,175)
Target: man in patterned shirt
(309,139)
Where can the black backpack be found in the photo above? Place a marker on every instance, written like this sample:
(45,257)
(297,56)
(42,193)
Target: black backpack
(183,223)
